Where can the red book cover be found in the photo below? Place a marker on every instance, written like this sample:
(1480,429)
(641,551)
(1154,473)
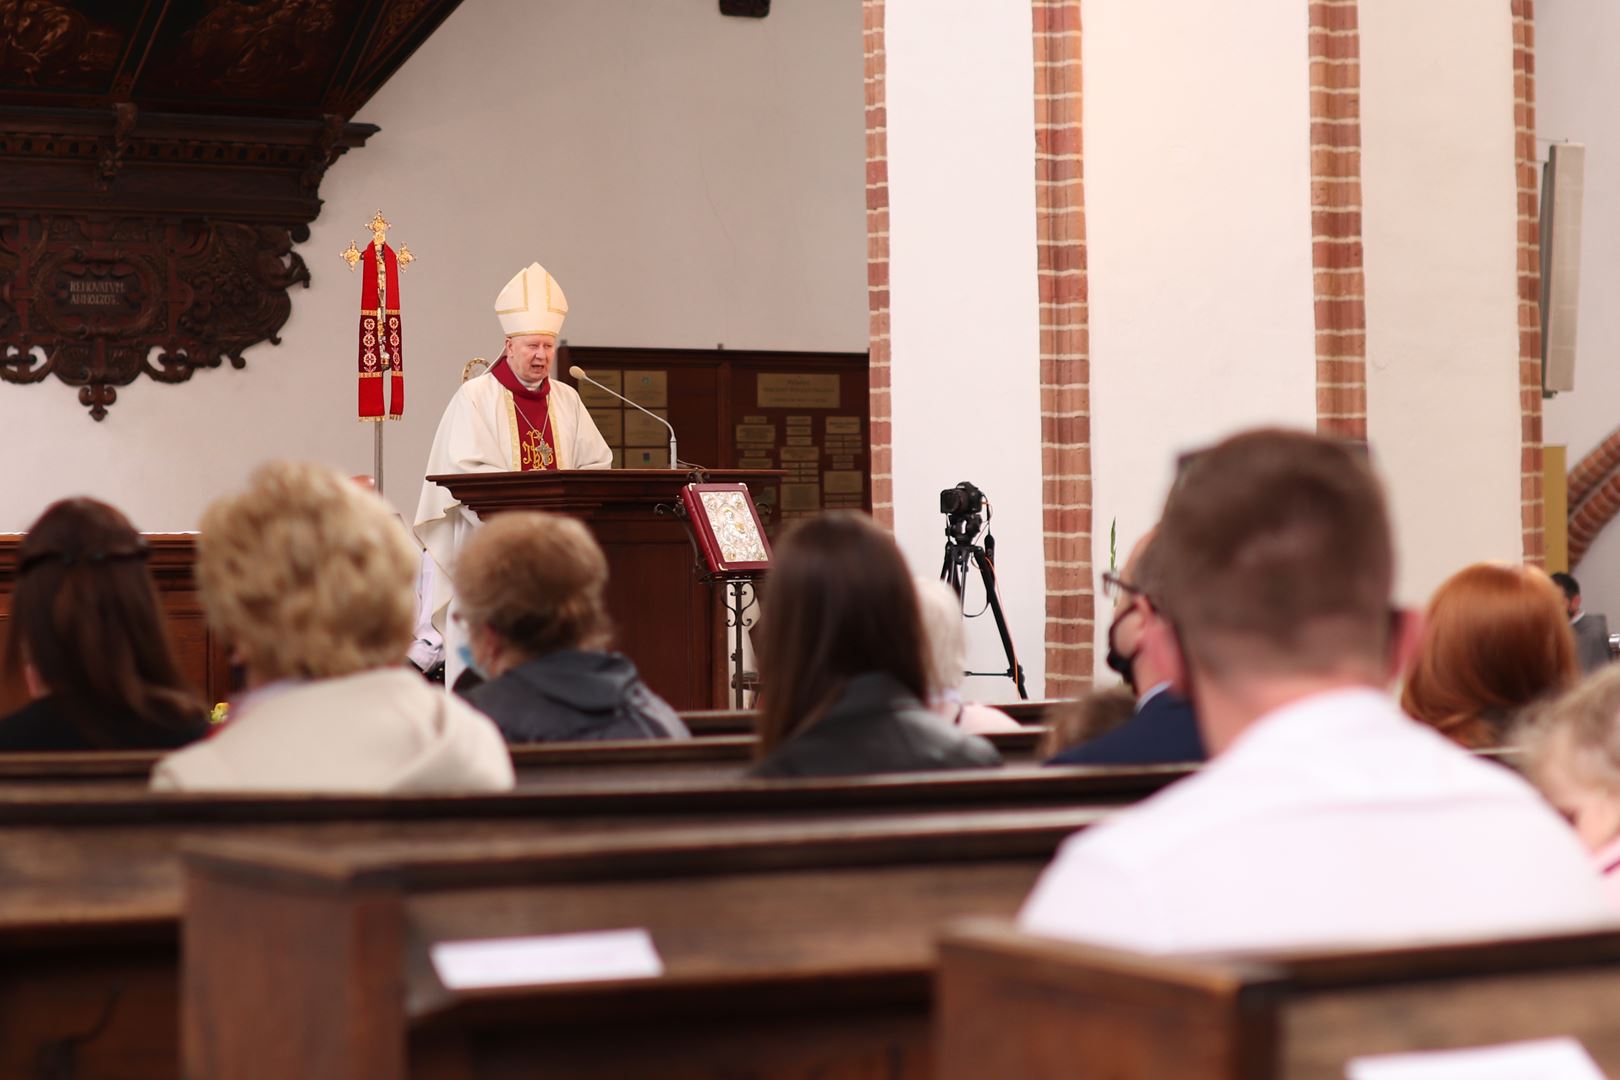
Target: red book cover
(727,527)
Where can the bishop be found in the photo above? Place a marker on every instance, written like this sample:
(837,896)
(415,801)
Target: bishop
(514,417)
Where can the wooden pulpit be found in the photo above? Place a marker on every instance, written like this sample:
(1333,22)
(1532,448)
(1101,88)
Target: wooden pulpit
(669,624)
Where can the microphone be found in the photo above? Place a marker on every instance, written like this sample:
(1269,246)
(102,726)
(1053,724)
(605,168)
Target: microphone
(579,373)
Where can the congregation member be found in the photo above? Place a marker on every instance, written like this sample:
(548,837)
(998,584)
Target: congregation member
(87,639)
(512,418)
(947,662)
(1141,650)
(530,587)
(1495,640)
(1591,630)
(842,661)
(1571,750)
(1325,817)
(310,582)
(1090,716)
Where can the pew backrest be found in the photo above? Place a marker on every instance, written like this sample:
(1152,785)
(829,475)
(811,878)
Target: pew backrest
(1013,1004)
(811,942)
(607,760)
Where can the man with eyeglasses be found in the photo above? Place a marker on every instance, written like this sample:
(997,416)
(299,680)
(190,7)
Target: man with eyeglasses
(1141,649)
(1325,817)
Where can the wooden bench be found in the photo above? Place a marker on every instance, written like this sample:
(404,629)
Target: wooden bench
(789,950)
(90,890)
(1014,1005)
(605,761)
(741,721)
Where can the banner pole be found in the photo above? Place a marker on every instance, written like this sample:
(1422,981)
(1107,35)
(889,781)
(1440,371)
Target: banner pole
(377,455)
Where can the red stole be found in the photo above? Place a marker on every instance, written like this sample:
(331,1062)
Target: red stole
(536,445)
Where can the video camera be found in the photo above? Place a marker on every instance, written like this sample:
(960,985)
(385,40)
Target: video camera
(961,500)
(963,506)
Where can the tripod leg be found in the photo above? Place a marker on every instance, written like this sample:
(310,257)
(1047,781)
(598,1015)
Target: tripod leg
(1015,670)
(951,571)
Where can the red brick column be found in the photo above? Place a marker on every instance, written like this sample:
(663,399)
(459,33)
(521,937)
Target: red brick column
(1065,356)
(1336,249)
(1593,468)
(1591,517)
(877,262)
(1531,503)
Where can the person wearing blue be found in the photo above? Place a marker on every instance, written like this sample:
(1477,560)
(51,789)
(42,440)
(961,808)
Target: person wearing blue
(1141,648)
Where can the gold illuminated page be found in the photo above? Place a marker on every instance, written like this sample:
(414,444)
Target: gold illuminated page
(735,531)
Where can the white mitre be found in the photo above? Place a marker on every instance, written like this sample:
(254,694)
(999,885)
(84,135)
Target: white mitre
(532,303)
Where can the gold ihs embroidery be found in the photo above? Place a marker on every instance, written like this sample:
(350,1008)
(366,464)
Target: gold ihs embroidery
(536,452)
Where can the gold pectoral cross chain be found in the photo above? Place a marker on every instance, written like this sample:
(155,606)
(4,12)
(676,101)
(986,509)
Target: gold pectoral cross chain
(536,448)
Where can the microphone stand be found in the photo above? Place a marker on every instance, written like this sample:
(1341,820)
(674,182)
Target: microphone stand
(579,373)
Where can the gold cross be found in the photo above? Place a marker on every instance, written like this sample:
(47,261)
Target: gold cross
(379,227)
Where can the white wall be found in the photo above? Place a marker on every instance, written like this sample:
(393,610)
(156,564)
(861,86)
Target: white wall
(1439,223)
(690,179)
(1198,226)
(1577,84)
(963,299)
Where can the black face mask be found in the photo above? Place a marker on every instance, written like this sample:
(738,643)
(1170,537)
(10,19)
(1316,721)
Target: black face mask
(1117,661)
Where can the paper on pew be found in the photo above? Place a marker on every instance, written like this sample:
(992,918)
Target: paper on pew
(1541,1059)
(596,956)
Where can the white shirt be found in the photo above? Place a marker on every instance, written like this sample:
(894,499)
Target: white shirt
(380,731)
(1153,692)
(1333,821)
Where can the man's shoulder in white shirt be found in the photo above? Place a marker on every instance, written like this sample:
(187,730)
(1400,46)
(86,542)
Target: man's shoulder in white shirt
(1334,820)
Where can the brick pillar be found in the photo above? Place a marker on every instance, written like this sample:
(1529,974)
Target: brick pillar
(1065,357)
(877,262)
(1336,250)
(1531,504)
(1594,495)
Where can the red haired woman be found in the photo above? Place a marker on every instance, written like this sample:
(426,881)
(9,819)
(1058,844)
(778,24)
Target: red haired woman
(1496,639)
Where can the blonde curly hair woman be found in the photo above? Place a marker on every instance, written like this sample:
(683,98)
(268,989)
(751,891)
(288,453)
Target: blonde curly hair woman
(310,582)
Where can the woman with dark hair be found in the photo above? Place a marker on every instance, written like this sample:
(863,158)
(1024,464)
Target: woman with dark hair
(843,669)
(88,639)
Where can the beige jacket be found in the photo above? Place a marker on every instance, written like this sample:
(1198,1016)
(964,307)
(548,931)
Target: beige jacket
(382,731)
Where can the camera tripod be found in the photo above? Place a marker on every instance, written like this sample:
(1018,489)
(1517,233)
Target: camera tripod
(961,553)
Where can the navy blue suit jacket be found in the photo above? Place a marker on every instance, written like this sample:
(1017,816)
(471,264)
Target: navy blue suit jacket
(1163,730)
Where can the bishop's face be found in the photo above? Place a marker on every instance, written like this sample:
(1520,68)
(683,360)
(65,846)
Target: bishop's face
(530,356)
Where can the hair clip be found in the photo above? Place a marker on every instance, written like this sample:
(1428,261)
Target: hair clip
(69,558)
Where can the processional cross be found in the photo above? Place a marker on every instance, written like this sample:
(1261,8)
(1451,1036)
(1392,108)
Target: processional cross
(381,352)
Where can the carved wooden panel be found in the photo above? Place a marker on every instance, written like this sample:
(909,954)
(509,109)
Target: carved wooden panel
(98,302)
(161,159)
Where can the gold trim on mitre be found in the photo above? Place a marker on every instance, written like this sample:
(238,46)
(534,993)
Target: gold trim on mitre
(539,308)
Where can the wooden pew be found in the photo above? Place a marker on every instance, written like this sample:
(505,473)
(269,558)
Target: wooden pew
(789,950)
(539,764)
(90,882)
(741,721)
(1011,1004)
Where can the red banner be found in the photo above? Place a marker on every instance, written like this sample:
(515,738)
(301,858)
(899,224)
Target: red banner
(381,336)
